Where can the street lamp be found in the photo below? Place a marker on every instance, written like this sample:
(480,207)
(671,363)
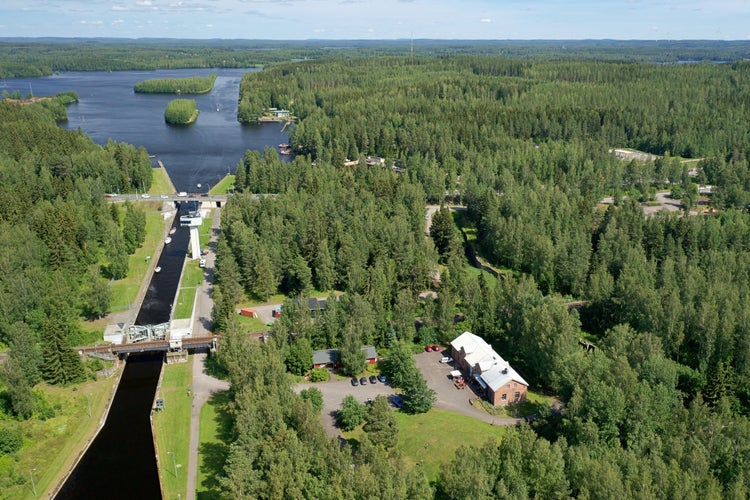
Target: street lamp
(33,485)
(174,462)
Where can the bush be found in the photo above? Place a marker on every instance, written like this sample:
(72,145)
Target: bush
(11,439)
(315,397)
(319,375)
(351,414)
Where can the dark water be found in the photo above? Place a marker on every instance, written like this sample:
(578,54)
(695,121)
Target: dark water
(157,303)
(119,464)
(201,153)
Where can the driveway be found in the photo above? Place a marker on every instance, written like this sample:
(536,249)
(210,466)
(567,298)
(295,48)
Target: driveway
(334,391)
(448,396)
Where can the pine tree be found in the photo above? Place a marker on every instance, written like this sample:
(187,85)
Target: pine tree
(264,284)
(61,364)
(381,425)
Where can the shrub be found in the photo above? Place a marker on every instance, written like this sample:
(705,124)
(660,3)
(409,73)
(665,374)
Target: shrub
(315,397)
(319,375)
(11,439)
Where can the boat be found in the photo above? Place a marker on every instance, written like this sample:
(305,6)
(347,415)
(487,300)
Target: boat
(168,240)
(173,230)
(157,269)
(285,149)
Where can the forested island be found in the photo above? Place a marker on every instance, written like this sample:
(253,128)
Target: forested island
(516,155)
(189,85)
(181,112)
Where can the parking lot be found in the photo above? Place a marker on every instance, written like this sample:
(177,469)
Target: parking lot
(334,391)
(435,373)
(448,396)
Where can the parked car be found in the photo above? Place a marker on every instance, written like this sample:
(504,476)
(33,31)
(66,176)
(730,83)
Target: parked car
(397,401)
(373,379)
(363,381)
(355,382)
(446,359)
(436,348)
(202,263)
(428,348)
(382,378)
(146,196)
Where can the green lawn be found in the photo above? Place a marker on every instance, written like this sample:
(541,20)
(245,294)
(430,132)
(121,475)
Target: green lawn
(251,324)
(215,436)
(431,439)
(185,301)
(204,232)
(535,403)
(172,428)
(160,182)
(50,447)
(224,185)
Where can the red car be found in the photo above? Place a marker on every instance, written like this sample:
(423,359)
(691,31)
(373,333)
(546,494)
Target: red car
(436,348)
(428,348)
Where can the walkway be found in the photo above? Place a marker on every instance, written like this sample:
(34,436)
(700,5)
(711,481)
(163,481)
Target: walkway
(203,387)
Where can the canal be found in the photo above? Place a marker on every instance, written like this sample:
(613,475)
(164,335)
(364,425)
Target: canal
(121,463)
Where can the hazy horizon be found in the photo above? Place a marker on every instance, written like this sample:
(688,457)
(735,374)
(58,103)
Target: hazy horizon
(297,20)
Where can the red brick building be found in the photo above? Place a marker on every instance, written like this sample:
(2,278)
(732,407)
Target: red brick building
(477,359)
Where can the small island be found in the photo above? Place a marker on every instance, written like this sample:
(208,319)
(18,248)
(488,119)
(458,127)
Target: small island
(181,112)
(190,85)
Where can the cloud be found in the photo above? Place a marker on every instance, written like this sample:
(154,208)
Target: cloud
(119,8)
(117,22)
(485,20)
(92,23)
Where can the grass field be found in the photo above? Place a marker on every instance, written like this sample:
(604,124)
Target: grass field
(430,440)
(251,324)
(204,233)
(185,301)
(50,447)
(215,433)
(224,185)
(160,182)
(172,428)
(192,278)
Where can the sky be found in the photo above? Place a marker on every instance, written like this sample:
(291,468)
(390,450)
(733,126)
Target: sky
(379,19)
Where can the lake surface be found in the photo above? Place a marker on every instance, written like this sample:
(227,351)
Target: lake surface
(201,153)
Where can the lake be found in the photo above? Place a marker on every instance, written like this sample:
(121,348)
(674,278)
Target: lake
(201,153)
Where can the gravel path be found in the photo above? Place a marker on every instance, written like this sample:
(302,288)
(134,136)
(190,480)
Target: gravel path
(203,387)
